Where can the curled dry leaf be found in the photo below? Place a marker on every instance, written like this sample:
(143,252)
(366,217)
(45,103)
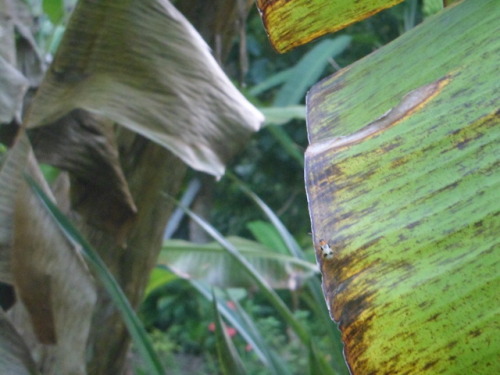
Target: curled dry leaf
(13,86)
(11,175)
(50,278)
(84,145)
(142,65)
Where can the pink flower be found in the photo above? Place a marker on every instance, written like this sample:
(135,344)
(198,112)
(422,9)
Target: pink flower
(248,347)
(231,331)
(231,305)
(211,327)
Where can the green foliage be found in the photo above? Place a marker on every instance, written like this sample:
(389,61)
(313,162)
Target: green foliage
(267,235)
(183,322)
(229,359)
(54,9)
(49,172)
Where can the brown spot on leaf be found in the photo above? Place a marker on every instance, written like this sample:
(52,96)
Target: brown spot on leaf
(413,224)
(83,144)
(434,317)
(475,333)
(451,344)
(430,364)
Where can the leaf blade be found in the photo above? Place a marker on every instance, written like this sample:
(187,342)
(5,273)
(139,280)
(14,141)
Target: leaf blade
(293,23)
(409,209)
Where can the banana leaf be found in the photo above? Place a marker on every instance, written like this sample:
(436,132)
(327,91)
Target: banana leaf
(402,177)
(294,22)
(212,264)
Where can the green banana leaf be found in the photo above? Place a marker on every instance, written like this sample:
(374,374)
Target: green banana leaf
(402,177)
(212,264)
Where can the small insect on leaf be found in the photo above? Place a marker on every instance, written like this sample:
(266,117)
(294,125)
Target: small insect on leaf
(326,250)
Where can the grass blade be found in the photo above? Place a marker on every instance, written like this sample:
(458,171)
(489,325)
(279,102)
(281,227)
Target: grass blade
(309,69)
(287,142)
(292,245)
(229,359)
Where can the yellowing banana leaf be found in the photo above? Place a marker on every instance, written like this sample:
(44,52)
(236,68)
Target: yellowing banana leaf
(291,23)
(403,183)
(142,65)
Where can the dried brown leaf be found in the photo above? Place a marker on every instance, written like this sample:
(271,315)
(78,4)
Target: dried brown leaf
(84,145)
(51,279)
(142,65)
(15,357)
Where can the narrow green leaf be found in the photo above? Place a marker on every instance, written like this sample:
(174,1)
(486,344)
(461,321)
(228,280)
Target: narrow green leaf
(266,234)
(275,361)
(318,364)
(130,319)
(272,81)
(289,146)
(313,284)
(245,327)
(290,242)
(229,359)
(283,115)
(304,74)
(308,70)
